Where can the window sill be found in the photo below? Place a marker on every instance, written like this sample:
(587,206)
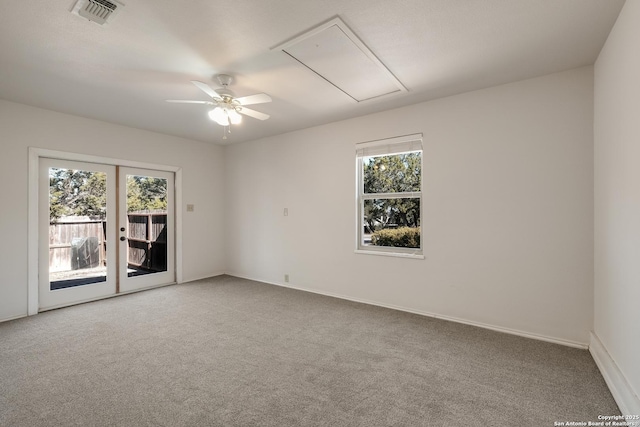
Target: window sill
(391,254)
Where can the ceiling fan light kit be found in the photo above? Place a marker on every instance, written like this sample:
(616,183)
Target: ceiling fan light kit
(228,109)
(225,116)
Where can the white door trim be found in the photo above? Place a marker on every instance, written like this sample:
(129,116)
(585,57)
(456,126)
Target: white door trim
(33,235)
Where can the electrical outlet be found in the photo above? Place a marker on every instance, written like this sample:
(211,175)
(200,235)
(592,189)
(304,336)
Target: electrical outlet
(286,278)
(286,211)
(190,208)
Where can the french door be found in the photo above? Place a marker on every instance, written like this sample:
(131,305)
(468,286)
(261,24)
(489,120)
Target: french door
(103,230)
(145,228)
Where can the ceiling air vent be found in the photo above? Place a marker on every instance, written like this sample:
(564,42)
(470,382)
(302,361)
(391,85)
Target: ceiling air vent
(98,11)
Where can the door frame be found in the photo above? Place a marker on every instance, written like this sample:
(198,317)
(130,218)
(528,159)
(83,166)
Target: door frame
(33,233)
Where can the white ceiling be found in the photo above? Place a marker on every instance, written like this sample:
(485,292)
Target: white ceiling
(123,72)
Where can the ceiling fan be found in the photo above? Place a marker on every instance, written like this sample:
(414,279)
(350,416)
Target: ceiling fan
(227,109)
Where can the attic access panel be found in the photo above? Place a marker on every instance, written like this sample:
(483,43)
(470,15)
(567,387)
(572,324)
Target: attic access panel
(336,54)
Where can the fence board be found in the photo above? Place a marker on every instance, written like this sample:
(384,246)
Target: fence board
(147,240)
(61,235)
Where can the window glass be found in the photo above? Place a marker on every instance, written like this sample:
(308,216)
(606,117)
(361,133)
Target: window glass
(390,198)
(392,174)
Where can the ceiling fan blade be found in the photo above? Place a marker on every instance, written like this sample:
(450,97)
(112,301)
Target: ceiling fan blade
(259,98)
(206,89)
(181,101)
(253,113)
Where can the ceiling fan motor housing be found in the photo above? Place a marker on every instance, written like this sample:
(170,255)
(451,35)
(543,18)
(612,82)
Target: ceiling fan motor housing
(225,80)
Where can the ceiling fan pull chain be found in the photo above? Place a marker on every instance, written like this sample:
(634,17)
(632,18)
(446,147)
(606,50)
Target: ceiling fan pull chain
(226,130)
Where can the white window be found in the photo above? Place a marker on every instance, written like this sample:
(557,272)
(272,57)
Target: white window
(390,196)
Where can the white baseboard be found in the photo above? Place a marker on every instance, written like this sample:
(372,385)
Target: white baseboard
(193,279)
(625,397)
(561,341)
(13,318)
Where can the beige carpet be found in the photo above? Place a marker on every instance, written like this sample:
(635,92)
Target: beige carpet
(231,352)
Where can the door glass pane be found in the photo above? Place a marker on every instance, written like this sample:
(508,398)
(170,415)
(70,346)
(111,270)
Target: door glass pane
(77,227)
(146,225)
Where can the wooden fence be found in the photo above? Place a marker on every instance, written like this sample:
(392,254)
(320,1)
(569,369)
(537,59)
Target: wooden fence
(82,244)
(148,240)
(76,245)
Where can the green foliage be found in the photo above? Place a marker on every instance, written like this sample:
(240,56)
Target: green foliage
(77,193)
(403,237)
(397,173)
(84,193)
(146,194)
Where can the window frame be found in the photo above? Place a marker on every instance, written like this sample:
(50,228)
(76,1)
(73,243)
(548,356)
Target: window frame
(387,147)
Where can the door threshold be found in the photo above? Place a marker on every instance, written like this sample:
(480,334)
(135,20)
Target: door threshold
(42,310)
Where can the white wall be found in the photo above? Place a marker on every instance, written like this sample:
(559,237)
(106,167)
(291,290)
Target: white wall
(508,204)
(617,200)
(23,126)
(508,208)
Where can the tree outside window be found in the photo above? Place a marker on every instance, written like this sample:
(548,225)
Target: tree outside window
(390,198)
